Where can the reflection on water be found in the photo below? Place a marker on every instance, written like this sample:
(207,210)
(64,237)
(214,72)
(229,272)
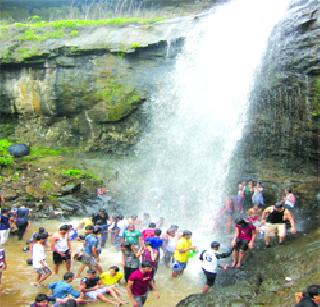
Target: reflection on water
(17,289)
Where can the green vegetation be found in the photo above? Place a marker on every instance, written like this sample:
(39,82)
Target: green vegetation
(316,99)
(119,99)
(40,36)
(5,158)
(6,161)
(74,33)
(135,45)
(47,186)
(77,23)
(40,152)
(79,174)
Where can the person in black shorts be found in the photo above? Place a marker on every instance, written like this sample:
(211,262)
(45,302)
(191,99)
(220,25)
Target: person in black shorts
(61,249)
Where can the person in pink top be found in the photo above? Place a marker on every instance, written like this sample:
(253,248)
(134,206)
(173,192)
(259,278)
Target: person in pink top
(149,232)
(138,285)
(289,200)
(244,237)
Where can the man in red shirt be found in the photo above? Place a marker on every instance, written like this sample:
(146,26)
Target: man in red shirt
(244,235)
(138,285)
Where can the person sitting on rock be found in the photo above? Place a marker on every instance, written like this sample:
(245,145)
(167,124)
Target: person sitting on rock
(309,298)
(244,237)
(274,218)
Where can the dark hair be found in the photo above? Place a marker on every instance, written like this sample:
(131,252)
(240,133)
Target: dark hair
(313,290)
(278,205)
(64,228)
(289,190)
(68,275)
(215,244)
(116,268)
(90,271)
(146,264)
(41,230)
(41,236)
(41,297)
(157,232)
(90,227)
(187,233)
(152,225)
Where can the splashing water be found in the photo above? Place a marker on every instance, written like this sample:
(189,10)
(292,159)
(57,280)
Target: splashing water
(198,113)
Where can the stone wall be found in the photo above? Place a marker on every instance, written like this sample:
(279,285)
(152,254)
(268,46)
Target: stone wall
(280,143)
(86,94)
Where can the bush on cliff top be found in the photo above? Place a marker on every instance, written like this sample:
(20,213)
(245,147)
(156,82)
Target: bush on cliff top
(5,158)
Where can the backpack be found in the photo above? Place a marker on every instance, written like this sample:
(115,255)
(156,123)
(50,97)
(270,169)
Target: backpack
(201,255)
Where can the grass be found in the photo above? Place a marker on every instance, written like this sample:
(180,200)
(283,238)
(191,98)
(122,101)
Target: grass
(31,35)
(76,23)
(5,158)
(79,174)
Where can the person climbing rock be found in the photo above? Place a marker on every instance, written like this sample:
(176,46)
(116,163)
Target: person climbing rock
(209,260)
(244,237)
(274,218)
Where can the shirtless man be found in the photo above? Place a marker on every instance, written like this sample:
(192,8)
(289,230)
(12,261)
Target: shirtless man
(274,218)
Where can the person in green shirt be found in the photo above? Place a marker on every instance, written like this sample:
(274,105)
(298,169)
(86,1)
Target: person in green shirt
(132,236)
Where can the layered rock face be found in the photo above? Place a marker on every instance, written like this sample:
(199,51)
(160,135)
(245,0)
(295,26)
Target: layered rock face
(280,144)
(84,91)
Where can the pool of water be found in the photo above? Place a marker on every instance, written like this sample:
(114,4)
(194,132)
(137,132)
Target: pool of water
(17,288)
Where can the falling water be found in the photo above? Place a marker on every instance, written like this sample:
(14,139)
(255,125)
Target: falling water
(198,113)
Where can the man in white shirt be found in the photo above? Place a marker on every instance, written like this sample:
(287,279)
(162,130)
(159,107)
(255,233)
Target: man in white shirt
(210,263)
(39,260)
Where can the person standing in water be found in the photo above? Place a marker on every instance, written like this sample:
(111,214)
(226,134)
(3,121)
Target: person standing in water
(61,249)
(3,262)
(210,264)
(181,254)
(39,261)
(138,285)
(169,245)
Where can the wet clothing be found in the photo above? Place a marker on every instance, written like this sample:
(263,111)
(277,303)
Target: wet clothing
(156,242)
(211,278)
(242,245)
(108,280)
(306,301)
(58,259)
(210,259)
(61,289)
(2,257)
(276,216)
(132,237)
(131,263)
(184,244)
(245,232)
(141,282)
(148,233)
(90,282)
(38,255)
(91,241)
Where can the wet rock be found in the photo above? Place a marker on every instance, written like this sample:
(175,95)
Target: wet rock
(19,150)
(70,188)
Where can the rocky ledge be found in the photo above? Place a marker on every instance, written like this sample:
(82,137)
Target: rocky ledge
(262,281)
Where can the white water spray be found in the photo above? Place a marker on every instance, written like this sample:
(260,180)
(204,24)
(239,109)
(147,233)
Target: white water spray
(198,115)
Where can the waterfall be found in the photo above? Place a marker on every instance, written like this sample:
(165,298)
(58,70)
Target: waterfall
(198,113)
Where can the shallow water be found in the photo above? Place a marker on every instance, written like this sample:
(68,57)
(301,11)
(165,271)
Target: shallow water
(17,289)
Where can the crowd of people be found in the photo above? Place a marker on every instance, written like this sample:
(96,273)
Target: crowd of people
(144,244)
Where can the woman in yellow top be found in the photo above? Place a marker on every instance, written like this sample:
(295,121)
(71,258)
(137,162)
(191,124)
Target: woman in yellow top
(181,254)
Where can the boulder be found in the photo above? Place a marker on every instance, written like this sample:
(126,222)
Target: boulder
(19,150)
